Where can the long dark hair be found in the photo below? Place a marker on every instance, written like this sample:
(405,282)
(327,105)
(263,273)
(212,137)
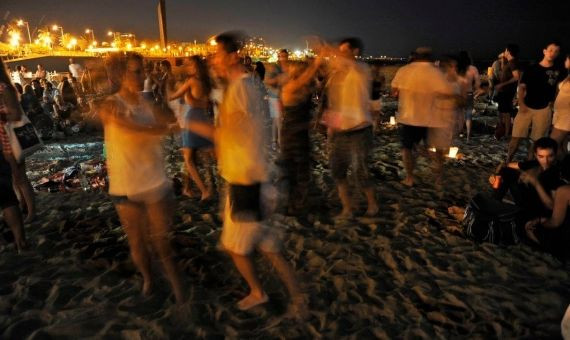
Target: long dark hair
(463,62)
(5,77)
(202,74)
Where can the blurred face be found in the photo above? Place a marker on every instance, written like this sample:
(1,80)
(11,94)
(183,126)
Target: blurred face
(282,57)
(134,76)
(545,157)
(551,52)
(224,61)
(346,51)
(191,67)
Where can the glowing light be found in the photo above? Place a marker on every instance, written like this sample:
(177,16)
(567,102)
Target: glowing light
(143,45)
(20,22)
(392,120)
(54,27)
(129,46)
(298,53)
(453,152)
(213,42)
(15,39)
(87,30)
(73,42)
(113,44)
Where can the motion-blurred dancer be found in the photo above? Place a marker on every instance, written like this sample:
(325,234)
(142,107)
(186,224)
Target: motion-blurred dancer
(349,123)
(137,179)
(242,159)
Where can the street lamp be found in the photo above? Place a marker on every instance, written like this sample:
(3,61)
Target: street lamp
(89,30)
(55,28)
(22,23)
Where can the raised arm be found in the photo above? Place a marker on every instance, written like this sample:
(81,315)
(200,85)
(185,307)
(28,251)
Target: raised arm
(181,90)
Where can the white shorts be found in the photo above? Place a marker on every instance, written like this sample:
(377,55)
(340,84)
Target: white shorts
(242,238)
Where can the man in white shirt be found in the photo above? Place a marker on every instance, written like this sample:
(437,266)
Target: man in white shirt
(241,150)
(349,122)
(419,87)
(75,69)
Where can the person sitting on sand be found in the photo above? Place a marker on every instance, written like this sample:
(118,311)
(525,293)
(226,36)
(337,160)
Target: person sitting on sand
(553,233)
(138,184)
(349,123)
(241,149)
(418,86)
(532,183)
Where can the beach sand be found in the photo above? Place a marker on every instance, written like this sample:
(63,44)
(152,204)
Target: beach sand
(407,273)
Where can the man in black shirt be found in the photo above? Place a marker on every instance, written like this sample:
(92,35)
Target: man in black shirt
(535,95)
(532,183)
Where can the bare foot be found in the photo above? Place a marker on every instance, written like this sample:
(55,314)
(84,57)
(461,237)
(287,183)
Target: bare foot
(408,181)
(372,211)
(344,215)
(298,309)
(252,300)
(147,288)
(188,193)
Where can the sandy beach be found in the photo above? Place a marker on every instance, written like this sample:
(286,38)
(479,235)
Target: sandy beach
(407,273)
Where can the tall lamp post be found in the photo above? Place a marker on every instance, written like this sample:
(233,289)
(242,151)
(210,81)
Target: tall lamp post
(55,28)
(89,30)
(22,23)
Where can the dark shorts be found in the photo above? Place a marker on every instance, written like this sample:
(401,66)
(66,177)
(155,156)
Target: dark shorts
(245,204)
(348,146)
(7,195)
(505,101)
(411,135)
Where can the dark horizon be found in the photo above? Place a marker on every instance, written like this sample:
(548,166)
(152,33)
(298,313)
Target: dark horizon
(483,27)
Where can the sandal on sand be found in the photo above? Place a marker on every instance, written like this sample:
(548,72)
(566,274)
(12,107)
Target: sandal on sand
(250,301)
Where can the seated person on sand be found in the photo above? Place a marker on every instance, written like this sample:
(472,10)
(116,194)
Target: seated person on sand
(532,183)
(553,233)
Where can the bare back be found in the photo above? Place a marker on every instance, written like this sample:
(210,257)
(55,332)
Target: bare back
(195,96)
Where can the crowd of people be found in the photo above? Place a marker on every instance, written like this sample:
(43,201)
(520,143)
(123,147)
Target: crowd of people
(230,112)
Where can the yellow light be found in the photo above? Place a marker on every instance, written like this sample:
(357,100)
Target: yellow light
(20,22)
(213,42)
(143,45)
(168,46)
(156,47)
(73,42)
(88,31)
(110,33)
(15,39)
(113,44)
(129,46)
(37,41)
(94,43)
(54,27)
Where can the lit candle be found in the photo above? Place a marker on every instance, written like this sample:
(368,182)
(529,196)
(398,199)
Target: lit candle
(453,152)
(392,120)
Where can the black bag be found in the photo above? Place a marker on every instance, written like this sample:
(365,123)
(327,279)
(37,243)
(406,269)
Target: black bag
(489,220)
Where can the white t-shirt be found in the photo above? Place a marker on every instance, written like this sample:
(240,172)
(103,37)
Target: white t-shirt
(241,138)
(420,84)
(76,70)
(349,96)
(134,159)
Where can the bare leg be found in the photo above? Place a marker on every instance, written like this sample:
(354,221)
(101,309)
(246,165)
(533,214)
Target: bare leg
(344,196)
(13,218)
(159,217)
(131,216)
(372,208)
(560,136)
(207,158)
(512,149)
(189,160)
(22,185)
(298,306)
(245,267)
(468,125)
(437,169)
(506,117)
(408,166)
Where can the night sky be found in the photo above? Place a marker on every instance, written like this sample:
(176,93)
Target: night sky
(387,27)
